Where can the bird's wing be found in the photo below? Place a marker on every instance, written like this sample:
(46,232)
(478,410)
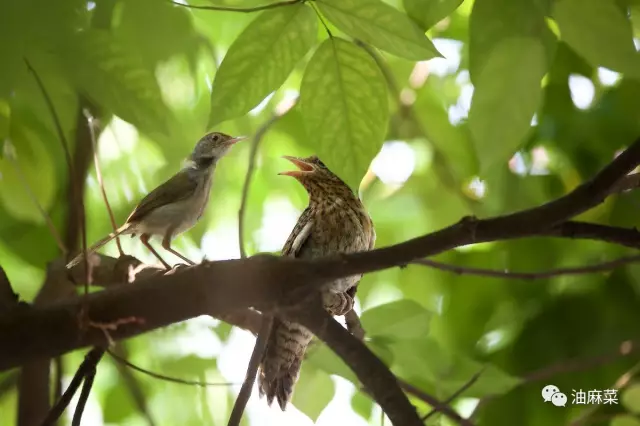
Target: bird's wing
(299,236)
(180,187)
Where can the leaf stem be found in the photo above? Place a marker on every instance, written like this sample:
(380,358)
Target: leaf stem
(239,9)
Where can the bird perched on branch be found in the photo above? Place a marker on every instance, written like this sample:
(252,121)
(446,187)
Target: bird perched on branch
(176,205)
(335,221)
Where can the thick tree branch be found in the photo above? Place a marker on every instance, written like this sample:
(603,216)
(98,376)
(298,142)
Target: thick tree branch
(222,289)
(267,283)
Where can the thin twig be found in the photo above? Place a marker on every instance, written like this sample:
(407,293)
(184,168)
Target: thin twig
(456,394)
(589,269)
(65,147)
(252,371)
(257,138)
(240,9)
(134,386)
(158,376)
(84,396)
(10,154)
(89,364)
(94,143)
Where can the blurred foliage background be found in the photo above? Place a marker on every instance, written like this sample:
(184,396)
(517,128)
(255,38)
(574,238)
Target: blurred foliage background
(513,104)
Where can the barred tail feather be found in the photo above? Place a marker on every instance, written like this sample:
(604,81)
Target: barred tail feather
(280,364)
(122,230)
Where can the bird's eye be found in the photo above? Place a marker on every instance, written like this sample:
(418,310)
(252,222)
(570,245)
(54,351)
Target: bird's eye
(216,137)
(321,164)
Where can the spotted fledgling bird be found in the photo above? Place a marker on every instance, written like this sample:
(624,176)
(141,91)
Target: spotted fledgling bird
(176,205)
(335,221)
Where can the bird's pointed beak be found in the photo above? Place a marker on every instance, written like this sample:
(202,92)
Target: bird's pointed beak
(237,139)
(303,167)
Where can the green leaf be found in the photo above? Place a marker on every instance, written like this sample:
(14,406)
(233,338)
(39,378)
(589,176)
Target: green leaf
(426,360)
(362,404)
(343,99)
(34,169)
(261,59)
(631,398)
(625,420)
(599,32)
(314,390)
(494,21)
(427,13)
(506,96)
(323,357)
(404,319)
(172,31)
(381,25)
(115,78)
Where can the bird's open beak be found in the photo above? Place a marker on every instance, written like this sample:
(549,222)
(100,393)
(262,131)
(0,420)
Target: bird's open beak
(236,139)
(302,166)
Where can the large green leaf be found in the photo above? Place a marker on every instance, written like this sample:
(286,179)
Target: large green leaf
(111,74)
(506,96)
(397,320)
(324,358)
(427,13)
(599,32)
(427,361)
(494,21)
(343,99)
(260,60)
(314,390)
(381,25)
(26,164)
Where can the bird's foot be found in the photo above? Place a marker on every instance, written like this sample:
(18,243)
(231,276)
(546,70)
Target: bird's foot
(337,304)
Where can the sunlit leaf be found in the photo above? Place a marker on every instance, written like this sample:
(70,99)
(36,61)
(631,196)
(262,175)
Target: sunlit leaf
(343,99)
(427,13)
(506,96)
(260,60)
(381,25)
(114,77)
(313,392)
(362,404)
(599,32)
(397,320)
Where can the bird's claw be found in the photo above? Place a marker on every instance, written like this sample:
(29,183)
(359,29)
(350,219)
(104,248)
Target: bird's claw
(337,304)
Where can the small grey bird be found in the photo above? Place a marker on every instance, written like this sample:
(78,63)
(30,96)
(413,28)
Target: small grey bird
(176,205)
(334,222)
